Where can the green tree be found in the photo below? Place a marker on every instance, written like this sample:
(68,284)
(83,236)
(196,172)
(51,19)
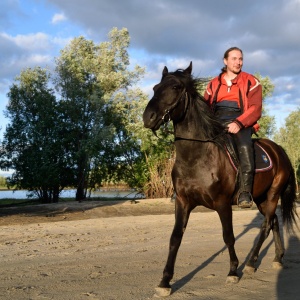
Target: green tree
(267,123)
(79,108)
(32,147)
(94,82)
(153,170)
(123,158)
(145,165)
(2,182)
(289,138)
(78,136)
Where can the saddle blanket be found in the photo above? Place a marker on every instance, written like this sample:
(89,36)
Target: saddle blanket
(263,161)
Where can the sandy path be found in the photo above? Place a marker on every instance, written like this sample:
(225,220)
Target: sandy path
(123,258)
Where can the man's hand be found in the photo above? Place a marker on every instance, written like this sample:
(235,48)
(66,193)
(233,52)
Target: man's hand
(233,127)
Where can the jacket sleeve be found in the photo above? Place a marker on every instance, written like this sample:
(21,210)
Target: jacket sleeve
(253,105)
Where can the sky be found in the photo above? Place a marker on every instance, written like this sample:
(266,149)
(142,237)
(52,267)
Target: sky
(163,33)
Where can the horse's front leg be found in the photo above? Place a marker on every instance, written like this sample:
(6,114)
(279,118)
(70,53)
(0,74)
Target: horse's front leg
(182,213)
(225,214)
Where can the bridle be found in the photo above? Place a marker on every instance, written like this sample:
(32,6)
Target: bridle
(166,118)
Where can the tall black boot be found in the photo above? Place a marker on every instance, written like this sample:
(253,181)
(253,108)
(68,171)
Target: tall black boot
(246,157)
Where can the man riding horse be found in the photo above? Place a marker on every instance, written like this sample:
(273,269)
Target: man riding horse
(202,173)
(235,97)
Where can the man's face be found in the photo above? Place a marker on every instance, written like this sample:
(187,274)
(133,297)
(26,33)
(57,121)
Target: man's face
(234,62)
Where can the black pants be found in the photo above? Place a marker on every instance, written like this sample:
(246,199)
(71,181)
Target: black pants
(245,150)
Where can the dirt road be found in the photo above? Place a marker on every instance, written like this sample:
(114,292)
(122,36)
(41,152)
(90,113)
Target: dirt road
(118,251)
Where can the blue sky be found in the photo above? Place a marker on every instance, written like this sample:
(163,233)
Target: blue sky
(163,32)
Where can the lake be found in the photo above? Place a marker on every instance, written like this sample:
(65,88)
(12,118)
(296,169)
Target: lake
(71,194)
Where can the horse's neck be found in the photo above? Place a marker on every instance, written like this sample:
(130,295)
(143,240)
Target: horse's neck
(195,124)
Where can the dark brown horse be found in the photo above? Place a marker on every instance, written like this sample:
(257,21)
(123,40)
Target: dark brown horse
(203,175)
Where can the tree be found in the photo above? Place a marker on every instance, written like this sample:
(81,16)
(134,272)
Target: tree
(79,136)
(78,110)
(289,138)
(266,122)
(145,167)
(2,181)
(93,80)
(31,145)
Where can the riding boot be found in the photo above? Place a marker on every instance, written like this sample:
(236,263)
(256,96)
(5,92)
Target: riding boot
(246,157)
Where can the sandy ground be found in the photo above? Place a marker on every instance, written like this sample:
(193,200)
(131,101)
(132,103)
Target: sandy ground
(117,250)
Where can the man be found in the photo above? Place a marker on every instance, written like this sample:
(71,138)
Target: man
(236,99)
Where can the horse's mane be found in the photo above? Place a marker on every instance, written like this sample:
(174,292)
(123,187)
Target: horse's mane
(210,127)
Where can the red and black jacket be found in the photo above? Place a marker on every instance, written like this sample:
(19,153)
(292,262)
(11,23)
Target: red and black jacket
(248,95)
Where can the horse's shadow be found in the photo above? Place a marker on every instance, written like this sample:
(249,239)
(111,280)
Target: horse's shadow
(288,286)
(255,223)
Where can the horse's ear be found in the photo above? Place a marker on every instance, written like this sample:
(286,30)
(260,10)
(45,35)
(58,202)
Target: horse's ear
(188,70)
(165,72)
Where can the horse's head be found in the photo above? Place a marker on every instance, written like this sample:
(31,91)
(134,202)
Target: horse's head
(169,99)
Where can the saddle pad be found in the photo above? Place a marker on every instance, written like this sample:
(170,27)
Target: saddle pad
(263,161)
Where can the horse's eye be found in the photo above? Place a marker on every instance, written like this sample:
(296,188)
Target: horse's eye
(176,87)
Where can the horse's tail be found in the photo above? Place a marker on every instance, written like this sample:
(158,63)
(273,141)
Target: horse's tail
(288,205)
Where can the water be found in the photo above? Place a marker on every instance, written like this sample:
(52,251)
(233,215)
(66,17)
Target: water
(71,194)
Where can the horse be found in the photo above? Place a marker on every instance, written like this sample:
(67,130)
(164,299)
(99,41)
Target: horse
(203,174)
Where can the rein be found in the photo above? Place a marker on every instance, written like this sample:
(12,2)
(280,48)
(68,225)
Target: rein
(178,138)
(168,119)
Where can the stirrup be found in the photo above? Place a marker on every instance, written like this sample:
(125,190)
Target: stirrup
(245,200)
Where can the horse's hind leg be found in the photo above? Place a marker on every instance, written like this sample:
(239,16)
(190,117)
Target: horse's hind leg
(182,213)
(264,233)
(279,249)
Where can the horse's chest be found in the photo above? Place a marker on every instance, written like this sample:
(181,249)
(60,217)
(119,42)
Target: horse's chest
(205,175)
(196,168)
(202,173)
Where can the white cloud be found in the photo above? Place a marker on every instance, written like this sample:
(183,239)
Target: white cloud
(61,42)
(22,51)
(168,32)
(31,42)
(57,18)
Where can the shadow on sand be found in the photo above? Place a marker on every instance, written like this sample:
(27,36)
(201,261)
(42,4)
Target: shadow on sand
(255,223)
(288,286)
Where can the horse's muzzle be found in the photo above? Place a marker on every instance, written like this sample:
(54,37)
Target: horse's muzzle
(151,119)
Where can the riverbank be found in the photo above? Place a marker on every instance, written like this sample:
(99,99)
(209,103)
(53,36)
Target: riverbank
(74,210)
(71,193)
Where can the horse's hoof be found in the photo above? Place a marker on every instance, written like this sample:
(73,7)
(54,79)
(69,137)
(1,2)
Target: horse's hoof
(162,292)
(277,265)
(232,279)
(249,270)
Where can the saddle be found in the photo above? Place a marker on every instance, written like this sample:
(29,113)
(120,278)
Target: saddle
(263,162)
